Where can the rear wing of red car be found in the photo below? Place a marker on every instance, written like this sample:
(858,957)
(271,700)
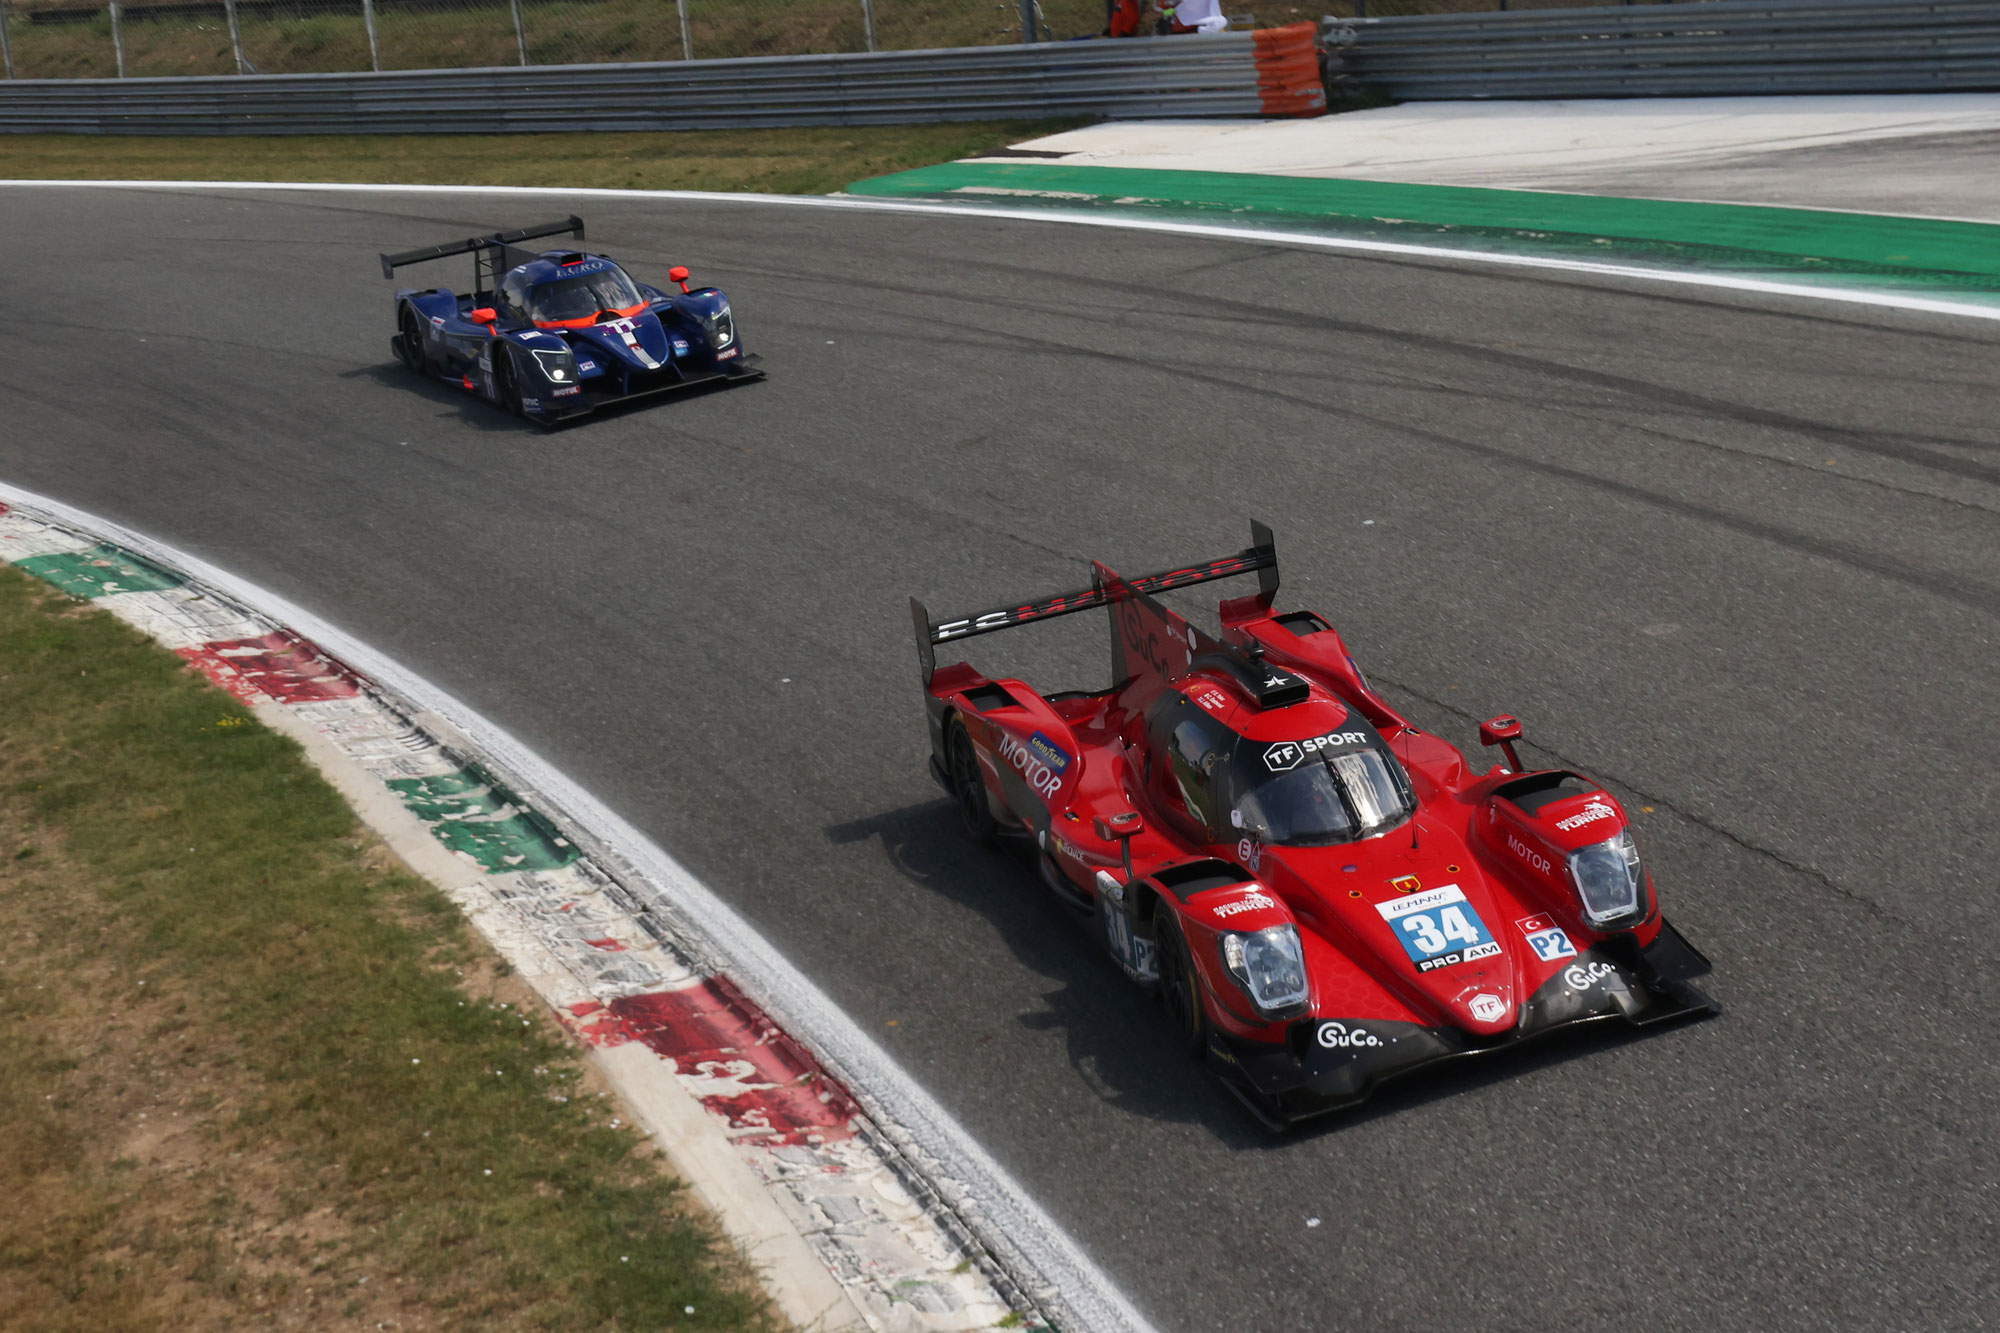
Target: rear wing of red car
(491,255)
(1106,589)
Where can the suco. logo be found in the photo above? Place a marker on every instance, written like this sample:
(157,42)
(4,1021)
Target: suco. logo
(1528,854)
(1335,1036)
(1582,976)
(1591,813)
(1039,775)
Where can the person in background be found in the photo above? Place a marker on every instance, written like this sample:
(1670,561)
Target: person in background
(1121,18)
(1196,16)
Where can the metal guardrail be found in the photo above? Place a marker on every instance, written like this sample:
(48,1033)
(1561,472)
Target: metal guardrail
(1718,48)
(1225,75)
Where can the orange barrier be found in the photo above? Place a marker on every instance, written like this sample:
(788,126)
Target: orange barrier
(1288,79)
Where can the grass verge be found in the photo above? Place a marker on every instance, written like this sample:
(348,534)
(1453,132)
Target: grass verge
(255,1071)
(811,161)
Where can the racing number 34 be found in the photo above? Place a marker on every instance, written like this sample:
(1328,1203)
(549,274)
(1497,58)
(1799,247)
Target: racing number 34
(1438,927)
(1434,937)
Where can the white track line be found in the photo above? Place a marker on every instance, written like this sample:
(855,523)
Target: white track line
(1090,1296)
(1056,216)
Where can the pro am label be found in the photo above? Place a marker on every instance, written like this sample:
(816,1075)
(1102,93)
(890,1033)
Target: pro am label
(1438,928)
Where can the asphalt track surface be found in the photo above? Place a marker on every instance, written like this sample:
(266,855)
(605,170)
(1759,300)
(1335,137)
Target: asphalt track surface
(1738,557)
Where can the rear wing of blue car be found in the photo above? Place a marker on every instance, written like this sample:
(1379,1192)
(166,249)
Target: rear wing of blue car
(491,255)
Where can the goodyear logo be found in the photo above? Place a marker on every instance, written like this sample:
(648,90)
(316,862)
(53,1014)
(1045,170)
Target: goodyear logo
(1049,752)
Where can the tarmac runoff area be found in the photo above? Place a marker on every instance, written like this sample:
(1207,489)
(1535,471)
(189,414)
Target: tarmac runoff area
(1887,195)
(1929,155)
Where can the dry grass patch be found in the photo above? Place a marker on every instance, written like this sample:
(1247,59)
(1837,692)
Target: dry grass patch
(259,1076)
(811,161)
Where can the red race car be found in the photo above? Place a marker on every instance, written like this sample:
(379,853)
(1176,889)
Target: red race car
(1323,895)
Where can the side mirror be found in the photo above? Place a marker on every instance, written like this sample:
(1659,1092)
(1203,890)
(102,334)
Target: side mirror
(678,273)
(1122,828)
(1502,731)
(483,315)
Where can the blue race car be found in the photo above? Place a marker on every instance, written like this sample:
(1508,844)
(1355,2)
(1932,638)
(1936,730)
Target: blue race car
(560,333)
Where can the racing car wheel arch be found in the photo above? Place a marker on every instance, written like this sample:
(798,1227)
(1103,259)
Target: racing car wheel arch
(507,378)
(1181,984)
(409,338)
(968,786)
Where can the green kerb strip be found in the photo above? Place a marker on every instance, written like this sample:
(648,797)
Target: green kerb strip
(469,812)
(102,570)
(1871,249)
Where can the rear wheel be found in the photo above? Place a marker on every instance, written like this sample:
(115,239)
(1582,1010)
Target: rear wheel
(968,788)
(410,339)
(1180,988)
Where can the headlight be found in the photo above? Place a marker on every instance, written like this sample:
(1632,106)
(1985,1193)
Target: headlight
(1607,879)
(559,366)
(722,328)
(1269,965)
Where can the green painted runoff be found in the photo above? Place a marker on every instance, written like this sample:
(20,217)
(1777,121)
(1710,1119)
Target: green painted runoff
(1815,244)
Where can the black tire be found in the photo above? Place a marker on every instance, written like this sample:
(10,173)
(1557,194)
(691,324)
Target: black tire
(505,388)
(1180,987)
(410,340)
(968,789)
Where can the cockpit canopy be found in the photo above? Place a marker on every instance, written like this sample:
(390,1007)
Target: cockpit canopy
(1332,797)
(1339,786)
(575,293)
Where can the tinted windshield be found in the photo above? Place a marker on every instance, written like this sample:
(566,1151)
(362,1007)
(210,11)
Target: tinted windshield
(584,296)
(1328,798)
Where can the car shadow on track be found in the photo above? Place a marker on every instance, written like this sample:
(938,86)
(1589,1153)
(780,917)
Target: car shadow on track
(1118,1041)
(472,410)
(479,414)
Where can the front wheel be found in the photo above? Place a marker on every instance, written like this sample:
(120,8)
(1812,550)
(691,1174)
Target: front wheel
(967,786)
(1180,987)
(504,386)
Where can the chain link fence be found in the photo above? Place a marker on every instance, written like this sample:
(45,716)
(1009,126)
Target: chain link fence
(69,39)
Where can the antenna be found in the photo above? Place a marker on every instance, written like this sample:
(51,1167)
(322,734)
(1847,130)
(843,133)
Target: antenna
(1410,784)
